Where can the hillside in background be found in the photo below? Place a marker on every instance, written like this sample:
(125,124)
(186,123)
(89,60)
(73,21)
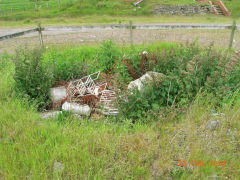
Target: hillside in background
(23,9)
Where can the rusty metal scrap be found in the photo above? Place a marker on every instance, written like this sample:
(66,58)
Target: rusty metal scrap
(89,90)
(83,86)
(107,99)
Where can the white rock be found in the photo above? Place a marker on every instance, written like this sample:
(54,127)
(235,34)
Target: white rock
(50,114)
(58,93)
(213,124)
(76,108)
(145,79)
(58,167)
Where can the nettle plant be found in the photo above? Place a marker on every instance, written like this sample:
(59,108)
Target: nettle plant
(188,71)
(32,79)
(107,56)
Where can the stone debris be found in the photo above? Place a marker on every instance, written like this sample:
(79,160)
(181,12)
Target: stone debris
(77,108)
(215,113)
(49,114)
(213,124)
(82,95)
(58,167)
(146,79)
(182,9)
(58,93)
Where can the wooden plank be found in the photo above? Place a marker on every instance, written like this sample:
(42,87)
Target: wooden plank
(137,2)
(18,34)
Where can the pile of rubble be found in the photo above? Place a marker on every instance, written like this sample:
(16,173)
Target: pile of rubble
(83,95)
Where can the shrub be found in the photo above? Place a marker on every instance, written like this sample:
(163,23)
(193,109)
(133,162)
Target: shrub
(32,79)
(69,63)
(188,70)
(107,56)
(37,71)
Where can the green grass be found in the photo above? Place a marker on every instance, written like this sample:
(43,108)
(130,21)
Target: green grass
(98,20)
(101,12)
(104,149)
(107,147)
(25,5)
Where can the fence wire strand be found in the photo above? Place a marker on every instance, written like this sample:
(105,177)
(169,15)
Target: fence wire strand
(220,38)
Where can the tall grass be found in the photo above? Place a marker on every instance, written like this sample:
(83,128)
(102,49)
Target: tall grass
(95,149)
(107,149)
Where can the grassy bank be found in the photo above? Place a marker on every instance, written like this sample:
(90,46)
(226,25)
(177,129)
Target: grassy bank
(30,147)
(102,12)
(108,147)
(106,19)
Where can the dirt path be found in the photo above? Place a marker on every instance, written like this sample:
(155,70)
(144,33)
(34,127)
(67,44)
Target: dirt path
(121,36)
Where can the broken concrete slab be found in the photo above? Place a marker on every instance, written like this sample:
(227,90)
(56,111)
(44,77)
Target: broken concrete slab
(147,79)
(58,94)
(77,108)
(213,124)
(50,114)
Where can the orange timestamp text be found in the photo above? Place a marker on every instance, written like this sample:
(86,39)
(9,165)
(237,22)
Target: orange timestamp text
(203,163)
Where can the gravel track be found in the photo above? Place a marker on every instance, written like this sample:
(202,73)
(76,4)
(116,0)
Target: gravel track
(121,36)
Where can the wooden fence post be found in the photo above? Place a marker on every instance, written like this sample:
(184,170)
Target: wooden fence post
(234,27)
(40,34)
(131,32)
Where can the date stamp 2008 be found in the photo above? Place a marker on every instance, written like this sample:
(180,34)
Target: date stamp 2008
(203,163)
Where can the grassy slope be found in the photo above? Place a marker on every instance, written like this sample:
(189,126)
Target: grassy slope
(106,19)
(101,149)
(102,11)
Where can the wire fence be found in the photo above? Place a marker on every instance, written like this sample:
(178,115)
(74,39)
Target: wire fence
(220,38)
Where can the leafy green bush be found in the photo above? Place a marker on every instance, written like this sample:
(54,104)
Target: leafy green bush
(188,70)
(32,79)
(69,63)
(107,56)
(37,71)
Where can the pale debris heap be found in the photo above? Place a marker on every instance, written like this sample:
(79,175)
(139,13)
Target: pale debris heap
(82,93)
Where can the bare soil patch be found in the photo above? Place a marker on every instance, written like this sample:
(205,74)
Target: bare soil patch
(122,36)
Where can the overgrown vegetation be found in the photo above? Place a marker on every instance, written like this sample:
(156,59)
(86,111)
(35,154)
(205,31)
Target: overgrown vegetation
(188,70)
(142,145)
